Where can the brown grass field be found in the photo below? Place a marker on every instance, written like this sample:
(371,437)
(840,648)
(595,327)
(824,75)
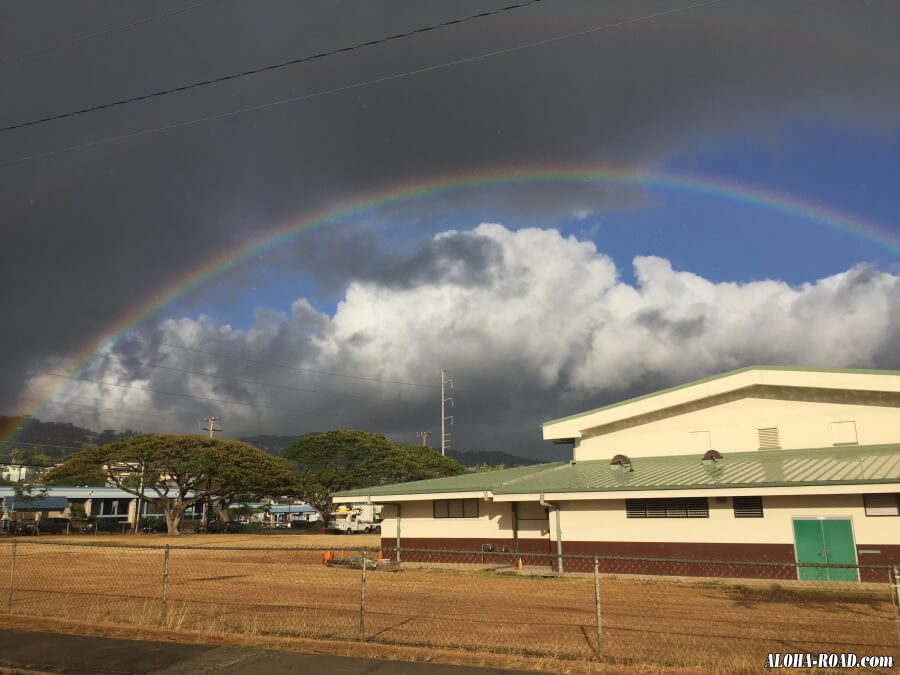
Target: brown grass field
(243,587)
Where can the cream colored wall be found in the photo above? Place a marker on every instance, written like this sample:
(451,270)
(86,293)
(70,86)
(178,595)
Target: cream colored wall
(572,428)
(607,521)
(733,427)
(494,521)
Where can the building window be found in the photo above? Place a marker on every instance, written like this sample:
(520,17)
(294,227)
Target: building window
(667,508)
(455,508)
(882,504)
(748,507)
(769,438)
(844,433)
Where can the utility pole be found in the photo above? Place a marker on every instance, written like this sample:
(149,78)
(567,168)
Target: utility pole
(445,436)
(424,436)
(211,425)
(212,429)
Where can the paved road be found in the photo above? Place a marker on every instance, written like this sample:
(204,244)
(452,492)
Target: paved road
(56,653)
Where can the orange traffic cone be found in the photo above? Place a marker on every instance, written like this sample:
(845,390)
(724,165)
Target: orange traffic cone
(519,565)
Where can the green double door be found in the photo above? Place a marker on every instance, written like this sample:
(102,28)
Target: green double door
(828,541)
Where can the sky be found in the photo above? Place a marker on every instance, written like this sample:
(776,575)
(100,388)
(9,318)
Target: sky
(541,297)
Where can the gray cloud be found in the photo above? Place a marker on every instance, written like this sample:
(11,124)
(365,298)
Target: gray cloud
(552,330)
(88,235)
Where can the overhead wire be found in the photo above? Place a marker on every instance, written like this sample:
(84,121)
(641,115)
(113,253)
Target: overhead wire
(263,69)
(356,85)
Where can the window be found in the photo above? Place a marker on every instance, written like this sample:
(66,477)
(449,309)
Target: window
(769,438)
(882,504)
(748,507)
(843,433)
(667,508)
(455,508)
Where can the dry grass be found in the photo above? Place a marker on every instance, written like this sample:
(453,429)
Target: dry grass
(263,593)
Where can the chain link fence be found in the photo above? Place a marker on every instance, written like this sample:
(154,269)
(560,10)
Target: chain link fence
(669,612)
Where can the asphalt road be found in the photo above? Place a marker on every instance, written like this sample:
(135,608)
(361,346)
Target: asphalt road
(58,653)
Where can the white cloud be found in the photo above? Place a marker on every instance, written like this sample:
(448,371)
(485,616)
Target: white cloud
(549,329)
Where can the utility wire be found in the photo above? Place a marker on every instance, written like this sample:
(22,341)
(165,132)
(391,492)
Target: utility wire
(109,412)
(43,445)
(365,83)
(262,69)
(192,396)
(270,364)
(114,29)
(257,382)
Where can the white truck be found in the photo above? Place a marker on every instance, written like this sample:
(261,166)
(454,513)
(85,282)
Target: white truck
(356,518)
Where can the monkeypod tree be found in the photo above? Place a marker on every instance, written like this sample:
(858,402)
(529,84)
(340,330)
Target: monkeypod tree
(174,472)
(346,459)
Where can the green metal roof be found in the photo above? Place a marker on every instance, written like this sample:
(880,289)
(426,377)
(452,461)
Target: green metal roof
(468,482)
(719,376)
(764,468)
(845,465)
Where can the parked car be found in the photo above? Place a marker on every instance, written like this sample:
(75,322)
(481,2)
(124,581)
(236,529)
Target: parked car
(224,527)
(53,526)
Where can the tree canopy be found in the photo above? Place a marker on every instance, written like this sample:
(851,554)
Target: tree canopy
(178,471)
(347,459)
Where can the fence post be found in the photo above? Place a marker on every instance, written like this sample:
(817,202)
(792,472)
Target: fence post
(163,612)
(597,604)
(362,595)
(12,576)
(895,596)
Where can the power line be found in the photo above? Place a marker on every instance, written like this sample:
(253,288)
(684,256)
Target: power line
(179,394)
(262,69)
(112,412)
(270,364)
(114,29)
(348,87)
(258,382)
(43,445)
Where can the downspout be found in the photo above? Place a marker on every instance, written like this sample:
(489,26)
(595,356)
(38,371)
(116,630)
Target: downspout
(399,510)
(559,551)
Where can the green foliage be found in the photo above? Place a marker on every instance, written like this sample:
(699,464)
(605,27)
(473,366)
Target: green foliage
(253,528)
(484,468)
(178,471)
(28,493)
(77,512)
(347,459)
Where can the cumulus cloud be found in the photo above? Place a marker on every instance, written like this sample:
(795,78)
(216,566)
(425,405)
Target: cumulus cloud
(539,326)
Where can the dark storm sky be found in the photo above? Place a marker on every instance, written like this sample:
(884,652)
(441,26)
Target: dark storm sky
(89,233)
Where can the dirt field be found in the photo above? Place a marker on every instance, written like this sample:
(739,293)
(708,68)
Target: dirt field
(250,586)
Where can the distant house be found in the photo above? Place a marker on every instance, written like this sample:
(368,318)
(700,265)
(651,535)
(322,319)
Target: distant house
(19,473)
(763,463)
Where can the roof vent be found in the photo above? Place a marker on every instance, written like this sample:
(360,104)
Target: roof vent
(622,462)
(711,460)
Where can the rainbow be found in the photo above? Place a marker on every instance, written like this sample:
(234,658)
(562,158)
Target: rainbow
(501,177)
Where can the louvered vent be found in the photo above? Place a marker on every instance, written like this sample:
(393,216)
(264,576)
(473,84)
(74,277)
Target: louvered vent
(768,439)
(748,507)
(667,508)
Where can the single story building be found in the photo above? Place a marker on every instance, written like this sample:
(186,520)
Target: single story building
(764,464)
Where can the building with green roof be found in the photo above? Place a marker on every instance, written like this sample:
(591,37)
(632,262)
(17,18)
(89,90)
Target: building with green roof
(765,463)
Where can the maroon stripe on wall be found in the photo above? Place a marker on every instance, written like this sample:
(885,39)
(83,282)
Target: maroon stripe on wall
(733,560)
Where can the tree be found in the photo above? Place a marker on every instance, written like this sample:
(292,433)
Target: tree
(346,459)
(177,471)
(484,468)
